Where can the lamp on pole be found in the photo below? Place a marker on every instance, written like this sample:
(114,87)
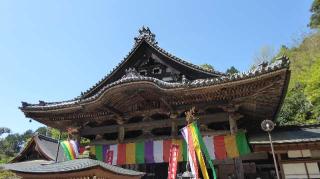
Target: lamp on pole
(268,126)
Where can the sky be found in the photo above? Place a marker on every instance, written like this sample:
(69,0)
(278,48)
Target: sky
(52,50)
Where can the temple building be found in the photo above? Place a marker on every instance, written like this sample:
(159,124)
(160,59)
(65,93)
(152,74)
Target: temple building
(145,97)
(40,147)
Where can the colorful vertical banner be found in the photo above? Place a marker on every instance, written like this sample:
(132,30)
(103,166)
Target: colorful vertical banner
(179,143)
(140,153)
(121,154)
(242,143)
(173,161)
(70,149)
(203,147)
(198,151)
(114,149)
(99,152)
(166,150)
(208,140)
(105,149)
(158,151)
(109,157)
(191,153)
(211,148)
(148,150)
(219,148)
(232,150)
(130,153)
(184,150)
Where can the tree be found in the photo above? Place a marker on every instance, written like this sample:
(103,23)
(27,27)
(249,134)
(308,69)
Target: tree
(315,17)
(55,133)
(5,174)
(296,108)
(44,131)
(207,67)
(312,89)
(4,130)
(232,70)
(11,144)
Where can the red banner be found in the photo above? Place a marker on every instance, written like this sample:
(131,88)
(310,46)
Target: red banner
(109,157)
(173,161)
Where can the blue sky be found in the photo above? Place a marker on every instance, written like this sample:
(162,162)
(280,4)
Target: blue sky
(52,50)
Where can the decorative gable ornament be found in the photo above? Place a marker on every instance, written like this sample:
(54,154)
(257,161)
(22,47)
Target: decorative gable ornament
(145,33)
(131,73)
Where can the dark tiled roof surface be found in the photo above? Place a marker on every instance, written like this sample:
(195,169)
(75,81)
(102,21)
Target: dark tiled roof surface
(66,166)
(44,145)
(147,36)
(281,63)
(290,134)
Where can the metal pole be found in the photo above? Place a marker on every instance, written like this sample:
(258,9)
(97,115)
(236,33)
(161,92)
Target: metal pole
(58,146)
(274,157)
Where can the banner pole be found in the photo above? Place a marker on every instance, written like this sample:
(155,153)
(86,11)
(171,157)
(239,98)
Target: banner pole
(58,146)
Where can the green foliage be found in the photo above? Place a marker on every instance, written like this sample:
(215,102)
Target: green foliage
(207,67)
(315,17)
(55,133)
(84,141)
(43,131)
(302,102)
(296,108)
(4,130)
(4,158)
(232,70)
(312,89)
(4,174)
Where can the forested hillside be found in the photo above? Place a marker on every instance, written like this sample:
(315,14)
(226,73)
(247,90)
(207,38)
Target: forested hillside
(302,102)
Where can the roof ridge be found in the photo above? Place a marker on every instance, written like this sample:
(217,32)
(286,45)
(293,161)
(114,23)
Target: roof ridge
(184,62)
(147,36)
(46,138)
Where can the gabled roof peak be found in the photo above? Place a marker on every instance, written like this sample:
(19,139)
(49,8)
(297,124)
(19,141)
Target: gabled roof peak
(145,33)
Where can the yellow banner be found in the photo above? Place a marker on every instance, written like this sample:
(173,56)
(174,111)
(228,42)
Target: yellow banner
(130,153)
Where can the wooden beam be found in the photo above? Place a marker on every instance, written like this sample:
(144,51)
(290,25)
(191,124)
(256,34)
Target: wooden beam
(203,119)
(110,142)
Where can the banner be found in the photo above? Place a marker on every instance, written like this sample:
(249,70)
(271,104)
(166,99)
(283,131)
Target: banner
(191,153)
(70,149)
(158,151)
(173,161)
(109,157)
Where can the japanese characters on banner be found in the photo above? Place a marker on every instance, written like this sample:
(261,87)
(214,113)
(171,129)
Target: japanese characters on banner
(173,161)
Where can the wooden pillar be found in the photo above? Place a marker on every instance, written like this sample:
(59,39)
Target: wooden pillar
(121,133)
(233,117)
(174,126)
(280,165)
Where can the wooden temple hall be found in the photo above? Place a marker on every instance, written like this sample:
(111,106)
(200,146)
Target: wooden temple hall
(146,95)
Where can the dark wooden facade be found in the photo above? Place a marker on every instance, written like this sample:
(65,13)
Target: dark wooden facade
(146,95)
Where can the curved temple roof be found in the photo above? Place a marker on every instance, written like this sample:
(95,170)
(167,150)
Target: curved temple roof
(46,148)
(132,76)
(127,92)
(146,36)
